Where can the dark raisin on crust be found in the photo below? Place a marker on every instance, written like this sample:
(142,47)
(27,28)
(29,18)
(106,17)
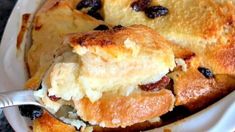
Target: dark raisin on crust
(117,27)
(205,72)
(101,27)
(94,13)
(96,4)
(31,111)
(82,4)
(156,11)
(157,85)
(140,5)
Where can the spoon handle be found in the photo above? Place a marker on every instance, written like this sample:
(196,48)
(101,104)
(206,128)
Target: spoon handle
(23,97)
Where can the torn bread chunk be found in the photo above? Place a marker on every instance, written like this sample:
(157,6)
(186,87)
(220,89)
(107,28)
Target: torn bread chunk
(121,59)
(106,70)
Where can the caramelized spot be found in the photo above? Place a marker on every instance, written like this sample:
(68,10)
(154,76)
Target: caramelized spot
(25,20)
(92,40)
(37,25)
(95,38)
(189,58)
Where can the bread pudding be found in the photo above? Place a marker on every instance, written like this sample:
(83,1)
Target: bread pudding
(124,64)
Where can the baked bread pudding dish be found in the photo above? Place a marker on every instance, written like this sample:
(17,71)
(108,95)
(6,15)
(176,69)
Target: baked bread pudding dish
(129,65)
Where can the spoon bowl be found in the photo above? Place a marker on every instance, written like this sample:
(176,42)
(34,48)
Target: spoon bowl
(26,97)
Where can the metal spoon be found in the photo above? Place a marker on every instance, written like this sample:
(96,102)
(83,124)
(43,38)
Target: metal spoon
(26,97)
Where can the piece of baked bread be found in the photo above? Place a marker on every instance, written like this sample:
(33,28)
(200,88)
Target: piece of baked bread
(110,63)
(126,57)
(55,19)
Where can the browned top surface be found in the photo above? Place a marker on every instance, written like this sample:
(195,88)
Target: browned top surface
(113,111)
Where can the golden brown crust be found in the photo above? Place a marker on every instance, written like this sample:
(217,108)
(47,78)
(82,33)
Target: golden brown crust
(221,59)
(23,29)
(219,87)
(113,111)
(191,87)
(113,41)
(206,30)
(117,36)
(47,123)
(192,24)
(195,91)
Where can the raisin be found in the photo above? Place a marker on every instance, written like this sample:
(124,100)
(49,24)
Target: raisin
(54,98)
(101,27)
(205,72)
(156,11)
(93,12)
(83,4)
(140,5)
(156,86)
(31,111)
(117,27)
(96,4)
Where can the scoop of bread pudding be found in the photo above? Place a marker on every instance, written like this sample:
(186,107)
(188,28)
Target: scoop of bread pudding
(103,75)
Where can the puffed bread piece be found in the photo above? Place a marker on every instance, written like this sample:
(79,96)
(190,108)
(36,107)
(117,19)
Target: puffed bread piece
(119,60)
(110,66)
